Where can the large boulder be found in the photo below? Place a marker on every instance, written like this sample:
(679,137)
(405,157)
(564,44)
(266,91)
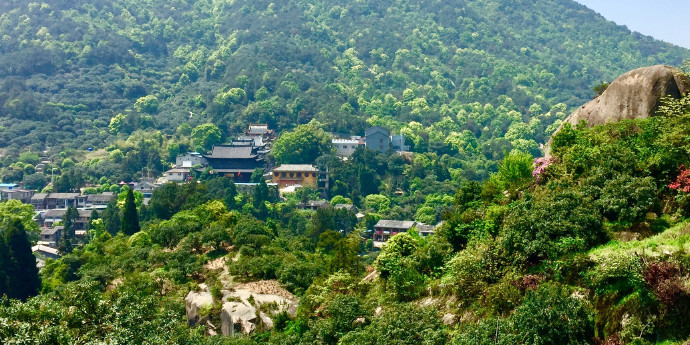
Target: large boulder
(194,302)
(241,313)
(634,95)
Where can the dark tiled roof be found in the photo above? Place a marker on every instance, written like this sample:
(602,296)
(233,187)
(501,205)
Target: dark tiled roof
(345,206)
(52,231)
(63,195)
(232,152)
(395,224)
(39,196)
(295,168)
(61,213)
(100,197)
(376,129)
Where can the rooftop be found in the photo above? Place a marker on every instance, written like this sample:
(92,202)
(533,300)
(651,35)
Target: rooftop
(295,168)
(177,170)
(61,213)
(39,196)
(45,249)
(345,141)
(232,152)
(395,224)
(63,195)
(52,230)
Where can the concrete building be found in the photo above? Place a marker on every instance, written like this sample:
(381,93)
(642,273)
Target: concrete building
(345,147)
(398,143)
(384,229)
(190,159)
(304,175)
(178,175)
(51,236)
(377,139)
(22,195)
(53,216)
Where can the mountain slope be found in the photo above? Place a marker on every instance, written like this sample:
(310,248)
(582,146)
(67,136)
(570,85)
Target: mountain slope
(68,67)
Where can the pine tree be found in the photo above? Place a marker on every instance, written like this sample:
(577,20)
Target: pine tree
(130,220)
(111,218)
(230,194)
(22,273)
(4,263)
(71,215)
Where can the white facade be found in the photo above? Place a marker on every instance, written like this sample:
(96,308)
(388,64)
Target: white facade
(190,159)
(345,147)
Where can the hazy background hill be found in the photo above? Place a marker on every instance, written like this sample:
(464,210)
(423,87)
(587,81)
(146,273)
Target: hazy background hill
(68,67)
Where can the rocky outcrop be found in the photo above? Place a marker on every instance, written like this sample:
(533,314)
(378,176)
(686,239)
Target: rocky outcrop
(246,311)
(634,95)
(194,302)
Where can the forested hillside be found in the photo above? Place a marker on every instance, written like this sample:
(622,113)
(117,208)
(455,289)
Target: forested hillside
(68,67)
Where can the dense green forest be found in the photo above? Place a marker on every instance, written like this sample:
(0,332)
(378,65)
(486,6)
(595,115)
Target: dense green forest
(589,246)
(71,69)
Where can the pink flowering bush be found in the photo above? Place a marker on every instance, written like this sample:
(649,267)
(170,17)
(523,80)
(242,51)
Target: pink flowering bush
(540,165)
(682,182)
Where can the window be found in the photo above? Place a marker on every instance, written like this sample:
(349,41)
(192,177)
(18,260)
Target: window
(381,141)
(292,174)
(299,174)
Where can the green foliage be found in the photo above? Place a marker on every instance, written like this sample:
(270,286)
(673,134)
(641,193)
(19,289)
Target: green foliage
(302,145)
(130,220)
(205,136)
(147,104)
(400,324)
(20,271)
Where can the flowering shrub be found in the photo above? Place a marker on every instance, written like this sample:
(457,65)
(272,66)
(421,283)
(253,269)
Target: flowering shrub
(682,182)
(540,165)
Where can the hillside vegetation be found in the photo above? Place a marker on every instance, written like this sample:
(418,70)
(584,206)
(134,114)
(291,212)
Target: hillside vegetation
(587,247)
(68,67)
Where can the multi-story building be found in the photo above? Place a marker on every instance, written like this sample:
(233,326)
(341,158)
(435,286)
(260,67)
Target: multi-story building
(346,147)
(377,139)
(304,175)
(190,159)
(237,161)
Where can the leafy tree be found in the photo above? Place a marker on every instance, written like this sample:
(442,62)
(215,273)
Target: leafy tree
(15,209)
(400,325)
(206,135)
(553,316)
(147,104)
(302,145)
(130,220)
(22,273)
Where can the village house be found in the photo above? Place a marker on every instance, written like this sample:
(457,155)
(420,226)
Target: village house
(145,187)
(50,201)
(51,236)
(385,229)
(22,195)
(100,200)
(377,139)
(178,175)
(313,205)
(51,217)
(304,175)
(45,251)
(346,147)
(190,159)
